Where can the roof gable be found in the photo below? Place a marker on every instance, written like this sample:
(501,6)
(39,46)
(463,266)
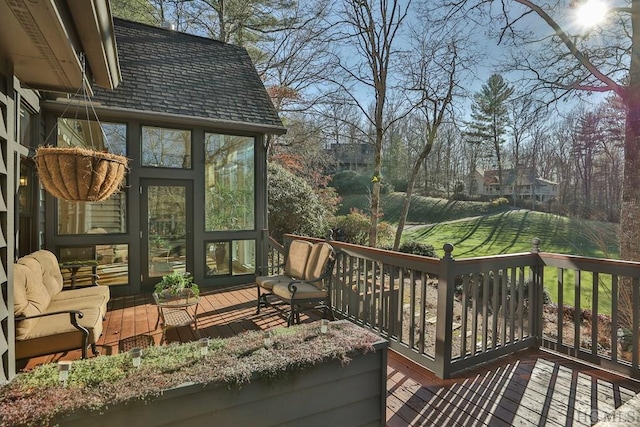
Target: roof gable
(175,73)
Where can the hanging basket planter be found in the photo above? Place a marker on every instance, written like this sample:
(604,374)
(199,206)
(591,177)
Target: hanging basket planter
(80,175)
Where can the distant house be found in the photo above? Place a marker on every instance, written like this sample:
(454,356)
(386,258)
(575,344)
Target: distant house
(352,156)
(520,183)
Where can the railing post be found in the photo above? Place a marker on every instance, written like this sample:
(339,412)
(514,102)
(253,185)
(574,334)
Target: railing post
(444,326)
(264,255)
(537,292)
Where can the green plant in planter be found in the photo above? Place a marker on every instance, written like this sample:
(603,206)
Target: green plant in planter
(176,283)
(97,384)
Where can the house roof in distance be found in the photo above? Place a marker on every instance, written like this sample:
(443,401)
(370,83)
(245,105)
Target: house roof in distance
(185,76)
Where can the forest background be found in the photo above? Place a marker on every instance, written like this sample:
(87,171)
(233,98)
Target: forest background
(424,94)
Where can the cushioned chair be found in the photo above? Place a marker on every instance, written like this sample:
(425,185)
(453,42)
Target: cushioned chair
(294,268)
(305,282)
(48,318)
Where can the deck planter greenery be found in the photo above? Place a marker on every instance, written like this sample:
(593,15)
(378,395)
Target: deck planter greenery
(303,378)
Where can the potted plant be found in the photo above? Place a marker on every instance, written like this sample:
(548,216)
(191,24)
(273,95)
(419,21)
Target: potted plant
(176,284)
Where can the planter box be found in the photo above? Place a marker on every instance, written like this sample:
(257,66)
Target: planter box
(327,394)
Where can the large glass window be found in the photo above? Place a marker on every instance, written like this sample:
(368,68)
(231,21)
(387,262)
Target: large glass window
(107,217)
(229,182)
(234,257)
(166,148)
(111,137)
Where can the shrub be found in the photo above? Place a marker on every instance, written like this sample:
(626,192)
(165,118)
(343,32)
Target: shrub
(293,205)
(458,196)
(625,337)
(500,201)
(350,182)
(354,228)
(417,248)
(400,185)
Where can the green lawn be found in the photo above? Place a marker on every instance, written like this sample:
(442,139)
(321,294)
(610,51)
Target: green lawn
(426,210)
(479,229)
(513,231)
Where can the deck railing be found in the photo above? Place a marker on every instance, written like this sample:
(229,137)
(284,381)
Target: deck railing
(452,314)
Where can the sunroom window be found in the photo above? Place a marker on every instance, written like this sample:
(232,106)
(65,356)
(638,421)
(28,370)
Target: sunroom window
(229,182)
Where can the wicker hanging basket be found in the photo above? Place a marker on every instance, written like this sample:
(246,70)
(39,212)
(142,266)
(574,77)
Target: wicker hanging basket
(80,175)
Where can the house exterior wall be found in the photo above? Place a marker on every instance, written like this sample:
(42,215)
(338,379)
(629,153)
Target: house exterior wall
(11,97)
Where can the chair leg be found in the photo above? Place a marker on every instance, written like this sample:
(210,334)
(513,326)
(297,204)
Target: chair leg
(259,303)
(262,300)
(327,309)
(292,315)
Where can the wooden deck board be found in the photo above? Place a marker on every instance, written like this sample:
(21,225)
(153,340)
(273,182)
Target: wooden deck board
(529,389)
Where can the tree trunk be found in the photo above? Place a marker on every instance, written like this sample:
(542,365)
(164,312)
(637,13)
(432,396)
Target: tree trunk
(375,196)
(630,206)
(405,206)
(411,182)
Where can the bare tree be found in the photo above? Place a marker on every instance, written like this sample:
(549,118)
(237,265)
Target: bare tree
(432,73)
(524,113)
(366,32)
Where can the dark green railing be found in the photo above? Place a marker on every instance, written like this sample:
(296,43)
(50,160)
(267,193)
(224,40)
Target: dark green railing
(452,314)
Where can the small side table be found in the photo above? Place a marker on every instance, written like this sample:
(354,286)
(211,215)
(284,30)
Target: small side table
(75,266)
(175,311)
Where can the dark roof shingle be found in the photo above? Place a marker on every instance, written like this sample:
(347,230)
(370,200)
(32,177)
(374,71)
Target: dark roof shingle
(170,72)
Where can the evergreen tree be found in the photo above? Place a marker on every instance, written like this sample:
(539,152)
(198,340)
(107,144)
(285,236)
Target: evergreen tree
(489,116)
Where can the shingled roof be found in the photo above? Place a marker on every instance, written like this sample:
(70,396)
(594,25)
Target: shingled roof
(179,74)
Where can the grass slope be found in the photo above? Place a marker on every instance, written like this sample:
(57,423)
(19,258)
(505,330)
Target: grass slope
(424,210)
(478,228)
(512,232)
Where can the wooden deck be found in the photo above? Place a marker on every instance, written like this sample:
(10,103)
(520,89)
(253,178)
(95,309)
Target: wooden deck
(531,388)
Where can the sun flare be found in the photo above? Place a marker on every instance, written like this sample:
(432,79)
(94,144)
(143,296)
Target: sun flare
(591,13)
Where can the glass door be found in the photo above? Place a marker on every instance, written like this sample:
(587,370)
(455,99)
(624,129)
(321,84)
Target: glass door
(166,229)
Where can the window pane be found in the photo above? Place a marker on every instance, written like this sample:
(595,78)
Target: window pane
(106,217)
(112,264)
(167,229)
(166,148)
(111,137)
(229,181)
(242,260)
(27,119)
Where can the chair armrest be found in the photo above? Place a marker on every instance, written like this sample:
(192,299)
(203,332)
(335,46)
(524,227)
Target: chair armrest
(75,266)
(74,315)
(293,284)
(328,271)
